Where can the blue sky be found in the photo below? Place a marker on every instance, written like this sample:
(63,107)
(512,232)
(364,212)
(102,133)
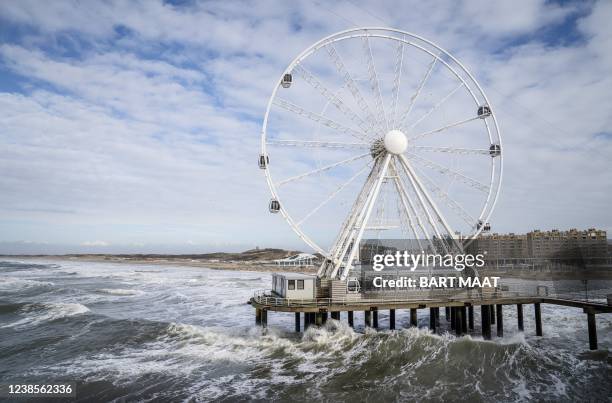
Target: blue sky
(134,126)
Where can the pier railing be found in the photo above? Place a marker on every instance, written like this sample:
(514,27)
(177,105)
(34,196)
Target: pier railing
(601,294)
(266,297)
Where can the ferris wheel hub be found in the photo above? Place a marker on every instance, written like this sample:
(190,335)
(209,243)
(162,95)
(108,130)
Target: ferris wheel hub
(395,142)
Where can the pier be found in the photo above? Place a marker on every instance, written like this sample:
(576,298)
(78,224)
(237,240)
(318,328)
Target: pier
(458,311)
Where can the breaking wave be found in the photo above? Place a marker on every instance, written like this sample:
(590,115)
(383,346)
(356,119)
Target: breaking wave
(10,284)
(36,314)
(120,291)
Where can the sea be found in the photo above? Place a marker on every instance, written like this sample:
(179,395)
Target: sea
(155,333)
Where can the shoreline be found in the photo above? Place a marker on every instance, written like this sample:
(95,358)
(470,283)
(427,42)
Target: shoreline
(267,267)
(177,262)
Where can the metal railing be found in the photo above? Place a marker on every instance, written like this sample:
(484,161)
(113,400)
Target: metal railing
(536,290)
(266,297)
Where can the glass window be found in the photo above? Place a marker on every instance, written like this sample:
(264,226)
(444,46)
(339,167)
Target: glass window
(300,284)
(291,284)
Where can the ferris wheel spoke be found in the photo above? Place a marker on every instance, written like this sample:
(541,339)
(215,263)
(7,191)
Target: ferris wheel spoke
(332,97)
(334,193)
(418,91)
(441,129)
(450,202)
(399,57)
(436,106)
(375,85)
(452,150)
(291,107)
(351,85)
(452,173)
(322,169)
(316,144)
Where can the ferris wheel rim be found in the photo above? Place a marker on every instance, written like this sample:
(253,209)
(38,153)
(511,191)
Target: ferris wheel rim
(495,179)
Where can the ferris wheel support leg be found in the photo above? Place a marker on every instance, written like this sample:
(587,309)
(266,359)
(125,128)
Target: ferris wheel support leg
(361,199)
(322,268)
(416,179)
(337,251)
(345,242)
(366,218)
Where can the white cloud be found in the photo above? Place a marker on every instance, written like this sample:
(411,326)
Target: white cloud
(152,137)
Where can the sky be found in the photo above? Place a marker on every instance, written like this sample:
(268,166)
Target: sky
(134,126)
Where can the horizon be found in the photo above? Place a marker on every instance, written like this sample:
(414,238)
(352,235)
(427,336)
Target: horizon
(27,249)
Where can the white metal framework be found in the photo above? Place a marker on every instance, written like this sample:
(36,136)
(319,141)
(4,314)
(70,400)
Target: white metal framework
(390,127)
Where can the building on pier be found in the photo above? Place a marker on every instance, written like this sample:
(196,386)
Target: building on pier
(294,285)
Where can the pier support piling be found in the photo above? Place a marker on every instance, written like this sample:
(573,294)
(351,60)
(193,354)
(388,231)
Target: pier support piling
(485,315)
(335,315)
(592,331)
(452,316)
(297,322)
(392,319)
(432,319)
(464,320)
(458,321)
(492,312)
(471,317)
(324,318)
(350,318)
(319,319)
(447,313)
(413,317)
(264,318)
(437,314)
(500,320)
(257,317)
(375,319)
(519,317)
(538,318)
(368,318)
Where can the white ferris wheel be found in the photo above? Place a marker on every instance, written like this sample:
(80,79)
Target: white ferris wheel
(377,132)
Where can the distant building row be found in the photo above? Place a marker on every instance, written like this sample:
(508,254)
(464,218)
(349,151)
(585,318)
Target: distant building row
(554,244)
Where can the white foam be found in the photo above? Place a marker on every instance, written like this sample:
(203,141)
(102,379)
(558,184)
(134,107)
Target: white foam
(36,314)
(120,291)
(19,284)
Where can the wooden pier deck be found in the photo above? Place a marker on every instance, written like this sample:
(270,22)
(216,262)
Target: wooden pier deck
(459,310)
